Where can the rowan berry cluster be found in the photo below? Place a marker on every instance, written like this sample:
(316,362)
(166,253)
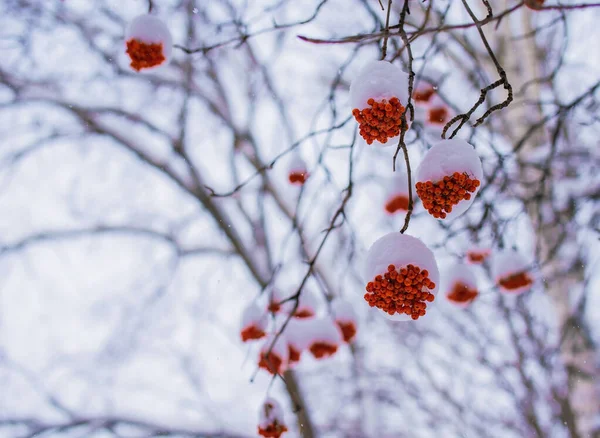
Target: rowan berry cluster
(144,55)
(322,349)
(252,332)
(515,281)
(401,291)
(477,257)
(271,362)
(274,430)
(381,121)
(462,293)
(397,203)
(348,330)
(438,115)
(293,354)
(298,178)
(439,198)
(423,95)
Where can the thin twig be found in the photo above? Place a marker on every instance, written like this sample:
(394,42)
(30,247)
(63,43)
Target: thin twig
(386,31)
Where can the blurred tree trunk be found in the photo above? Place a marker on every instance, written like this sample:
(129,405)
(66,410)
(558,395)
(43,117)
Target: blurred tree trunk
(563,277)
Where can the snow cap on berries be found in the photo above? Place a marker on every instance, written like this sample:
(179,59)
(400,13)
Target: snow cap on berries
(450,169)
(425,87)
(271,421)
(148,43)
(297,171)
(388,257)
(297,334)
(324,337)
(476,255)
(436,116)
(378,98)
(276,297)
(274,362)
(511,272)
(460,285)
(254,323)
(397,194)
(345,317)
(308,304)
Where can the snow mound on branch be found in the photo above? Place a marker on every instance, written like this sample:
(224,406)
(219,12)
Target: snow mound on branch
(398,184)
(323,330)
(297,170)
(397,196)
(151,30)
(459,273)
(507,263)
(271,421)
(296,164)
(254,317)
(400,250)
(343,311)
(297,333)
(308,304)
(345,318)
(447,157)
(378,80)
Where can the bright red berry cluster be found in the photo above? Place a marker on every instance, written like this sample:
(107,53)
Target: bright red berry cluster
(462,293)
(348,330)
(271,362)
(144,55)
(274,430)
(252,332)
(381,121)
(438,115)
(322,349)
(397,203)
(516,281)
(298,178)
(304,314)
(423,95)
(401,291)
(477,257)
(439,198)
(293,354)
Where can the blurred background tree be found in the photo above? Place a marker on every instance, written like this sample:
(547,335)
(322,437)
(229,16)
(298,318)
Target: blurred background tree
(143,212)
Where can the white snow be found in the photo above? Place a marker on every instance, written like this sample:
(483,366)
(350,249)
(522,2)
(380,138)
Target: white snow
(270,412)
(397,185)
(254,315)
(343,311)
(323,330)
(378,80)
(308,301)
(447,157)
(296,164)
(298,334)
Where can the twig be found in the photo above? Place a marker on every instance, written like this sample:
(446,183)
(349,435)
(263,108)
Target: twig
(386,31)
(502,81)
